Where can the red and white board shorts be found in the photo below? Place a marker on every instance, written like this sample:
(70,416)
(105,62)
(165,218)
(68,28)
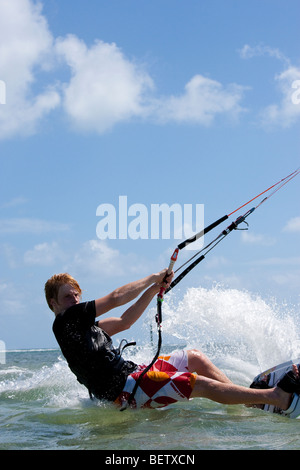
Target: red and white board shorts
(166,382)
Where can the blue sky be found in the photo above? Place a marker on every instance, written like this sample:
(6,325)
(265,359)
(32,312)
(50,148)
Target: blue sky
(162,102)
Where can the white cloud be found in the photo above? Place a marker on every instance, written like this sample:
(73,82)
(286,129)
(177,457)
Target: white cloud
(289,279)
(8,251)
(248,52)
(97,258)
(16,201)
(25,47)
(27,225)
(257,239)
(105,87)
(293,225)
(43,254)
(294,261)
(202,101)
(287,111)
(11,299)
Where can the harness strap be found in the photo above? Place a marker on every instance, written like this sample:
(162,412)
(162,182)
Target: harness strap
(119,361)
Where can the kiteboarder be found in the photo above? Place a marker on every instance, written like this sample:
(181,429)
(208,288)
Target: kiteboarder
(87,346)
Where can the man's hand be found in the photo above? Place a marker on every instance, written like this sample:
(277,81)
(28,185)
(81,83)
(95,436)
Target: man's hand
(164,279)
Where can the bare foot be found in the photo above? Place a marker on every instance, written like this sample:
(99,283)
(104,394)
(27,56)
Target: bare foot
(282,398)
(285,397)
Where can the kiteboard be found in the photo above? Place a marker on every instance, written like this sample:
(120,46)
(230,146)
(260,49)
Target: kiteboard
(271,377)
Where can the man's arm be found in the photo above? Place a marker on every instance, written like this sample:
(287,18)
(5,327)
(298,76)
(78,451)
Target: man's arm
(115,325)
(126,293)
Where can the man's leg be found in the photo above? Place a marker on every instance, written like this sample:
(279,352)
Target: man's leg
(231,394)
(199,363)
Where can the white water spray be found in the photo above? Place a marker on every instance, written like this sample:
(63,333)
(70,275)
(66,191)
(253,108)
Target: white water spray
(240,332)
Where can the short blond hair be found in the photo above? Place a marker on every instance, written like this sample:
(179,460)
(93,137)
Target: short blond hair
(55,282)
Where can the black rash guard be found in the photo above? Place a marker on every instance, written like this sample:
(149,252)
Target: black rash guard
(90,353)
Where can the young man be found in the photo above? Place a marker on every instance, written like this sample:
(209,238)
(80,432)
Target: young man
(88,349)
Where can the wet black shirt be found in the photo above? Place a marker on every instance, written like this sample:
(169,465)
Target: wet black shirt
(90,353)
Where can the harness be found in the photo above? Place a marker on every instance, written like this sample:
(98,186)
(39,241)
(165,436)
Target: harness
(115,362)
(103,368)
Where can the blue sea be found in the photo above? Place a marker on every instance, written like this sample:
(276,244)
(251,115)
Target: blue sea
(43,407)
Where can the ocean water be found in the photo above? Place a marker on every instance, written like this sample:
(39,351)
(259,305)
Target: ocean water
(43,407)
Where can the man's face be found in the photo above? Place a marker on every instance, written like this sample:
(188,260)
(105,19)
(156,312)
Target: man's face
(67,297)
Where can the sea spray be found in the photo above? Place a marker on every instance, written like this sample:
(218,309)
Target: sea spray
(236,329)
(51,384)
